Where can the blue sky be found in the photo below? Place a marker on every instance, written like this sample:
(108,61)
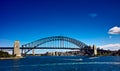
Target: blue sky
(86,20)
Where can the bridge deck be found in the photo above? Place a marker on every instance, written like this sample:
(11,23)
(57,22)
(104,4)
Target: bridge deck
(40,48)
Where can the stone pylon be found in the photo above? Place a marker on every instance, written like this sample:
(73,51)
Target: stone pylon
(95,50)
(17,49)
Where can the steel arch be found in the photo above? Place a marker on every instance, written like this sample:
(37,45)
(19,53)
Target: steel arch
(55,38)
(39,42)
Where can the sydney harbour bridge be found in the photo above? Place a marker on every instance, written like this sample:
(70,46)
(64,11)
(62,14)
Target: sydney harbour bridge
(53,42)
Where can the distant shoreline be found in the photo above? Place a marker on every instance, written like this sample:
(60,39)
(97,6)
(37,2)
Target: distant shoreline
(7,58)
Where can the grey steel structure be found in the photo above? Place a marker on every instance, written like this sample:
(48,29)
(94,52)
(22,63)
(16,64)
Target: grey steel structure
(61,39)
(35,44)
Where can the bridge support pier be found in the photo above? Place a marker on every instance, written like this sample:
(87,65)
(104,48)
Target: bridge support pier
(33,52)
(16,50)
(94,50)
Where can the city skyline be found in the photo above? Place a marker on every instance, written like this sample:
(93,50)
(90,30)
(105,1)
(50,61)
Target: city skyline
(90,21)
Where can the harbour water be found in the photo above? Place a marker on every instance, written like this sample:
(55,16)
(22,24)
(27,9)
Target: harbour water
(62,63)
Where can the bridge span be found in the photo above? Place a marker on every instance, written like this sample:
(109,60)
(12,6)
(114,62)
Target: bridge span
(53,42)
(41,48)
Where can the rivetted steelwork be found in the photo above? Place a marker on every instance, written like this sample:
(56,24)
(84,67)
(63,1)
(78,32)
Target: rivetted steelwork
(39,42)
(54,38)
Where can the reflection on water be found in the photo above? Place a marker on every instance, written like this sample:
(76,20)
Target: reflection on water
(71,63)
(15,63)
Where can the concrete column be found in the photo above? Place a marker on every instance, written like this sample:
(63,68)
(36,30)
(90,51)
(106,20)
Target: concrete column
(17,49)
(33,52)
(95,50)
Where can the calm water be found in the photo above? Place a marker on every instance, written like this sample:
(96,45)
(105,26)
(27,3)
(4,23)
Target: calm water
(68,63)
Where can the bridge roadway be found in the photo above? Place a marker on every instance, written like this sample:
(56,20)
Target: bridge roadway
(42,48)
